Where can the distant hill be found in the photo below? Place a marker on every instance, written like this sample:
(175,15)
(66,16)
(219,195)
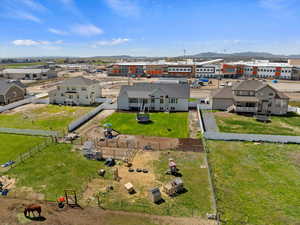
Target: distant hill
(241,55)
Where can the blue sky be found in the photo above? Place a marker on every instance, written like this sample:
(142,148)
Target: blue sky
(147,27)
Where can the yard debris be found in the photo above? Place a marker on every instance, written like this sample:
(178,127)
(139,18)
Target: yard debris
(155,195)
(173,170)
(174,187)
(110,162)
(129,187)
(101,172)
(9,163)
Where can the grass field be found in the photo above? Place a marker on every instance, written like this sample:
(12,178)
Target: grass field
(48,117)
(173,125)
(295,104)
(279,125)
(194,202)
(17,65)
(11,146)
(257,184)
(55,169)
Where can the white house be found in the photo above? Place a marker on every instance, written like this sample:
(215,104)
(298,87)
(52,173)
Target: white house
(154,97)
(76,91)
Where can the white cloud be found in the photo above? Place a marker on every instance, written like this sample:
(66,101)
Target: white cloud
(86,29)
(112,42)
(124,7)
(276,4)
(56,31)
(33,5)
(29,42)
(26,16)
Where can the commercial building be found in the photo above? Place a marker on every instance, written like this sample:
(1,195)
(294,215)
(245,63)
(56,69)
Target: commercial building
(11,91)
(164,97)
(250,96)
(163,68)
(258,69)
(76,91)
(28,74)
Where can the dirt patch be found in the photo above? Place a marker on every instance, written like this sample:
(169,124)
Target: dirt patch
(25,108)
(11,212)
(224,114)
(7,182)
(194,128)
(141,181)
(92,129)
(295,157)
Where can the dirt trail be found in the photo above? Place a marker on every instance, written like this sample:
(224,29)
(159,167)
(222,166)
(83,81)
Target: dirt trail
(11,213)
(193,124)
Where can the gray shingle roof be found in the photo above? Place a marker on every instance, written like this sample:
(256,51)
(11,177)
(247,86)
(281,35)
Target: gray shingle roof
(79,81)
(144,90)
(225,92)
(248,85)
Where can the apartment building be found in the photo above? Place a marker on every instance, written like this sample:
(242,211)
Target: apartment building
(186,68)
(163,97)
(76,91)
(250,96)
(258,69)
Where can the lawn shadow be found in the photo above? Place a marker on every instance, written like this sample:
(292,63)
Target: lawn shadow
(38,218)
(161,201)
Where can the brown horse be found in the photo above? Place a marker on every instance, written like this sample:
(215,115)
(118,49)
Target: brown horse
(31,209)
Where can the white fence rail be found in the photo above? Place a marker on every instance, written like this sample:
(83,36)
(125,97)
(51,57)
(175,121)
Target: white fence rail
(77,123)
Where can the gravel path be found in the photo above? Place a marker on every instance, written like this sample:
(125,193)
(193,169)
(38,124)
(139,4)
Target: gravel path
(209,121)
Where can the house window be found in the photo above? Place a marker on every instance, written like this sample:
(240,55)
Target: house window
(161,100)
(133,100)
(62,94)
(73,89)
(152,100)
(83,89)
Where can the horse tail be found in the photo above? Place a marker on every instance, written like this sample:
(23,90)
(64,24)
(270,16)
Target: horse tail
(25,212)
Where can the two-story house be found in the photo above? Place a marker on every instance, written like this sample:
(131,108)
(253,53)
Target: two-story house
(76,91)
(11,91)
(251,96)
(154,97)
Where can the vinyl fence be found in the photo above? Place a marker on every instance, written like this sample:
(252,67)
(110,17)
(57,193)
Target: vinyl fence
(74,125)
(16,104)
(294,109)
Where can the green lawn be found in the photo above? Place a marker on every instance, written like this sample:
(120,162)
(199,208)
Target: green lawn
(18,65)
(195,202)
(193,99)
(295,104)
(55,169)
(47,117)
(11,146)
(279,125)
(257,184)
(173,125)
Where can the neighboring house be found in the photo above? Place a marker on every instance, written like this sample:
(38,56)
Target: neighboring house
(28,74)
(11,91)
(76,91)
(250,96)
(154,97)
